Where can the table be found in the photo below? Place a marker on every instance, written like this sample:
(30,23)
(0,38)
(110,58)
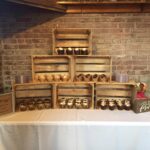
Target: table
(75,130)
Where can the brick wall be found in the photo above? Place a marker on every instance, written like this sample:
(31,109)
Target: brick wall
(25,31)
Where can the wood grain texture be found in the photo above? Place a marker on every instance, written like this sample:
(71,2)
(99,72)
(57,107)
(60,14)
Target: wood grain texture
(6,105)
(33,93)
(88,6)
(108,7)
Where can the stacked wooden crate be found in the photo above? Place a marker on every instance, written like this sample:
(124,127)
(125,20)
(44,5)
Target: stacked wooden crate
(33,96)
(114,95)
(77,79)
(72,38)
(51,68)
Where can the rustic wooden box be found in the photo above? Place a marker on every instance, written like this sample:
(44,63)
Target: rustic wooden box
(30,91)
(93,65)
(6,103)
(115,91)
(75,90)
(73,38)
(140,106)
(51,65)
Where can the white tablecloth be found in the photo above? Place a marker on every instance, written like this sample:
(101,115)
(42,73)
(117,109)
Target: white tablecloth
(75,130)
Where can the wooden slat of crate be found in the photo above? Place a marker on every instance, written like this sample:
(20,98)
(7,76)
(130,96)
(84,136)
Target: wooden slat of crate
(32,86)
(77,92)
(6,106)
(4,102)
(5,97)
(45,60)
(92,67)
(33,93)
(114,92)
(113,86)
(72,43)
(51,59)
(93,60)
(71,36)
(73,85)
(5,110)
(51,68)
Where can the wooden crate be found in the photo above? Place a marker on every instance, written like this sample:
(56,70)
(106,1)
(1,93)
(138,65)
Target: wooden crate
(6,103)
(73,38)
(32,91)
(114,91)
(75,90)
(93,65)
(140,106)
(51,65)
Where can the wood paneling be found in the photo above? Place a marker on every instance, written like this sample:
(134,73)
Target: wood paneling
(6,104)
(146,8)
(106,6)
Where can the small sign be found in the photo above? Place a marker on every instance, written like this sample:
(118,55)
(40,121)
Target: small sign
(140,106)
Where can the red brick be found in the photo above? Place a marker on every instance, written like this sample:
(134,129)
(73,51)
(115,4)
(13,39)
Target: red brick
(126,25)
(139,62)
(10,41)
(21,40)
(10,46)
(139,57)
(38,40)
(140,67)
(125,67)
(143,25)
(25,46)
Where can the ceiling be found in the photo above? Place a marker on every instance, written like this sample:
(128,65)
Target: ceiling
(89,6)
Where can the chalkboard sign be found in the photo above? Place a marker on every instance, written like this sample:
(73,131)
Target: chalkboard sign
(140,106)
